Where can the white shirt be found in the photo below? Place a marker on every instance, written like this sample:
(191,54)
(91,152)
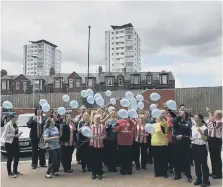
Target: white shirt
(196,136)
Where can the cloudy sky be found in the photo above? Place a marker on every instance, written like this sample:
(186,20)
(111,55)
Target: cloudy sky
(182,37)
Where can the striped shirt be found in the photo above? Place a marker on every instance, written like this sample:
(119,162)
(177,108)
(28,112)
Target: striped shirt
(214,129)
(98,131)
(140,129)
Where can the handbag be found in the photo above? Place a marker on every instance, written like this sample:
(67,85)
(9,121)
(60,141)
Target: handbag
(44,144)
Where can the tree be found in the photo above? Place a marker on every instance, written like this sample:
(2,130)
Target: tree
(83,101)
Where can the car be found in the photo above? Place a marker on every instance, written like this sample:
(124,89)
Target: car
(24,139)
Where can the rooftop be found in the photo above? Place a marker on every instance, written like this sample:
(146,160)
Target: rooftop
(43,41)
(129,25)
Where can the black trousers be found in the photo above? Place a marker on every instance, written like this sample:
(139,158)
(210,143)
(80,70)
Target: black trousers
(149,152)
(67,152)
(170,156)
(125,153)
(77,155)
(140,148)
(85,155)
(54,165)
(215,145)
(36,152)
(110,154)
(12,153)
(200,158)
(160,155)
(96,160)
(181,157)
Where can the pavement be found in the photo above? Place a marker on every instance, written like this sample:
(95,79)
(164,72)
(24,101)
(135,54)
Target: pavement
(35,178)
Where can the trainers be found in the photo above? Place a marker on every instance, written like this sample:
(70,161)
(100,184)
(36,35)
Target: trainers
(18,173)
(197,182)
(48,176)
(12,175)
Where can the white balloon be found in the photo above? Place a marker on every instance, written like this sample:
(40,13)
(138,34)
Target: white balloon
(90,92)
(87,132)
(152,107)
(155,96)
(42,102)
(61,111)
(156,113)
(74,104)
(129,95)
(113,101)
(100,101)
(124,102)
(141,105)
(149,128)
(46,107)
(97,95)
(122,113)
(132,113)
(66,98)
(108,93)
(134,104)
(110,109)
(90,100)
(84,93)
(7,105)
(140,97)
(171,104)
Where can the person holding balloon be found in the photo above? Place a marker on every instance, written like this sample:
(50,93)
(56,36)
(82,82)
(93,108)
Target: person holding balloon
(125,138)
(36,125)
(110,143)
(159,144)
(140,144)
(83,143)
(96,146)
(181,146)
(67,140)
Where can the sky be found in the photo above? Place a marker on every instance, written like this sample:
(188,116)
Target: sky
(182,37)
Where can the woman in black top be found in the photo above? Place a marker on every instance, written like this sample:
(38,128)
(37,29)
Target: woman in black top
(83,143)
(181,145)
(36,125)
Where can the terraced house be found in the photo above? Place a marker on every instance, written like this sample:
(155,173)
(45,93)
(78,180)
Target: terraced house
(75,82)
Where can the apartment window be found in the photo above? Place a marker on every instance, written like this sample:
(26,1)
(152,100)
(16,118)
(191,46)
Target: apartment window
(71,83)
(24,85)
(117,32)
(129,37)
(163,79)
(128,47)
(17,85)
(112,43)
(129,64)
(78,83)
(57,83)
(127,31)
(122,53)
(109,81)
(117,53)
(149,79)
(113,39)
(112,48)
(135,79)
(120,81)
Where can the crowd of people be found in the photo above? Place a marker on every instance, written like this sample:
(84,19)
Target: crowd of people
(178,140)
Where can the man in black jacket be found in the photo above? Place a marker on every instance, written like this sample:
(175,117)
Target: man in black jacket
(36,125)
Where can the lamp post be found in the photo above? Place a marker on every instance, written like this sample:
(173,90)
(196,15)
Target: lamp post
(34,73)
(89,34)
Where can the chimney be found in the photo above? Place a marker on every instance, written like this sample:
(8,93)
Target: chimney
(100,71)
(52,72)
(3,72)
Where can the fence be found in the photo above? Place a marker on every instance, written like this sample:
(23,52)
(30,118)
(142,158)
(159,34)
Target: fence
(195,98)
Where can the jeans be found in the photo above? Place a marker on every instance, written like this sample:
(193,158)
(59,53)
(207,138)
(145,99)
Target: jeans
(12,153)
(54,155)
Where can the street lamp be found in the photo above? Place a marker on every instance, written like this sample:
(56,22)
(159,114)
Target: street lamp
(34,73)
(89,31)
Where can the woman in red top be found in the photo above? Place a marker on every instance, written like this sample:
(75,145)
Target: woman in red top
(96,146)
(125,144)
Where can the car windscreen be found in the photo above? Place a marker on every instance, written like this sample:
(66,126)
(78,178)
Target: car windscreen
(22,120)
